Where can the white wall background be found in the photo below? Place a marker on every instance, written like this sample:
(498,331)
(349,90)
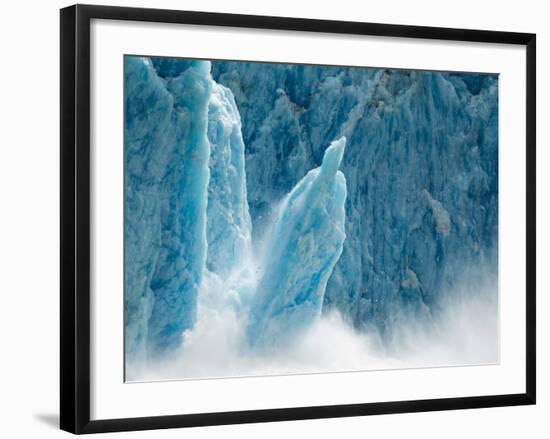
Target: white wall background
(29,248)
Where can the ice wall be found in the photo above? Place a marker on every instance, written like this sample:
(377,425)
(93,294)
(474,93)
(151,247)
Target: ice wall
(303,246)
(421,166)
(186,206)
(229,226)
(166,179)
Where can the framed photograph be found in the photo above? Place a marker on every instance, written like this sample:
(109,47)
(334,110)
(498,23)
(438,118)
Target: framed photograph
(268,218)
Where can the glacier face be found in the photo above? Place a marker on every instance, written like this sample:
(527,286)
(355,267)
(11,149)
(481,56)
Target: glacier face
(166,180)
(229,226)
(187,214)
(421,166)
(303,245)
(225,165)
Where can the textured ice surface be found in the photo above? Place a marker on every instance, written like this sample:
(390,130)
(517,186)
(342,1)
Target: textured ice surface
(186,204)
(421,166)
(421,210)
(302,249)
(229,227)
(166,179)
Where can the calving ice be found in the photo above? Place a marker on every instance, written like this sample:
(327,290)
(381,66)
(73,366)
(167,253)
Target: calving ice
(298,218)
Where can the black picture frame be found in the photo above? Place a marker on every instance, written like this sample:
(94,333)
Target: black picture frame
(75,217)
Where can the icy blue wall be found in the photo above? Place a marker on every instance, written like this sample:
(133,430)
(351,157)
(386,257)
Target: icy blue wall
(166,180)
(229,227)
(421,165)
(211,149)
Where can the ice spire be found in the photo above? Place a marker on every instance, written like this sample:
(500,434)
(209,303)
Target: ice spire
(305,244)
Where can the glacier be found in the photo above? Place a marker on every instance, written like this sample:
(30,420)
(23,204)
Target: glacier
(421,166)
(166,181)
(187,215)
(229,183)
(229,227)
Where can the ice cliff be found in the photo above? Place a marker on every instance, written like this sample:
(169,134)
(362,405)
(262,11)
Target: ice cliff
(222,155)
(166,180)
(229,226)
(421,166)
(187,215)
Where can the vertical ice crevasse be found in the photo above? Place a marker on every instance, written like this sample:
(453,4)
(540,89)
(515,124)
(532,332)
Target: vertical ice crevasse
(304,245)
